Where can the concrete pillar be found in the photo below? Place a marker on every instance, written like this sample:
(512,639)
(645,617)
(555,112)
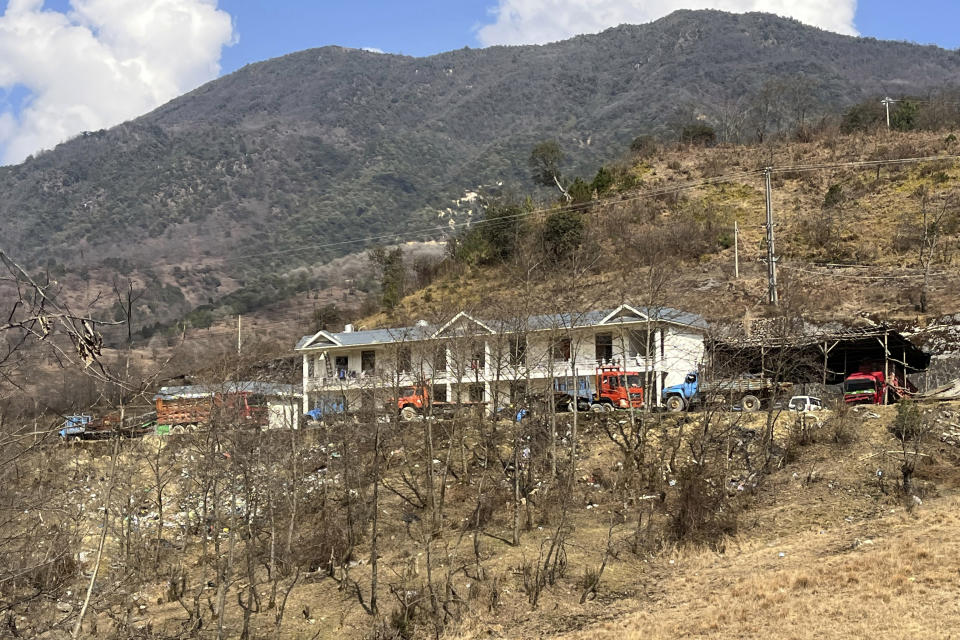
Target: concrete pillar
(306,383)
(486,360)
(657,365)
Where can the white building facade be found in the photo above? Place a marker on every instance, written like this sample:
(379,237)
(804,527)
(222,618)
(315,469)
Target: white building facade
(470,359)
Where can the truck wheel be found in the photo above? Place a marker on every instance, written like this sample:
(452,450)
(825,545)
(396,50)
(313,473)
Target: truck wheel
(408,414)
(608,408)
(178,429)
(597,408)
(750,403)
(675,404)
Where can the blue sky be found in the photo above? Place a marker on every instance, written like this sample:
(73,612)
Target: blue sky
(68,66)
(424,27)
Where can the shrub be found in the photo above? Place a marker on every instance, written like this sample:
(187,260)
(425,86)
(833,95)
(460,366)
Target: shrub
(701,515)
(563,233)
(833,197)
(580,191)
(602,181)
(699,134)
(862,117)
(643,147)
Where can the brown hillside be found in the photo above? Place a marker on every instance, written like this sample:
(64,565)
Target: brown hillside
(849,238)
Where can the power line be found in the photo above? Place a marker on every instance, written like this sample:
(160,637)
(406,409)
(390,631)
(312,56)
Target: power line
(862,163)
(853,276)
(635,196)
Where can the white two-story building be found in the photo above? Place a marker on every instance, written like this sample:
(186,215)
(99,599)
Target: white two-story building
(480,360)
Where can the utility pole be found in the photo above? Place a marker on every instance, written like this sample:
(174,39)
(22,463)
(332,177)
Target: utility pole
(238,333)
(886,102)
(771,257)
(736,250)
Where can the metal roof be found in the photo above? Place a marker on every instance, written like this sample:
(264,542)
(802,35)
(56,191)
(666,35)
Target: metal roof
(533,323)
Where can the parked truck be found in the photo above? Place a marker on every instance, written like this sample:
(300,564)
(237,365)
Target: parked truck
(749,392)
(415,401)
(872,387)
(75,427)
(87,427)
(615,388)
(608,389)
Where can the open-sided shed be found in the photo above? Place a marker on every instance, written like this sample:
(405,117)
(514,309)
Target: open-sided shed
(825,357)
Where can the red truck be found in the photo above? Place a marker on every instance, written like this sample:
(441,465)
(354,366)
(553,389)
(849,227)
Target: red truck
(615,388)
(870,387)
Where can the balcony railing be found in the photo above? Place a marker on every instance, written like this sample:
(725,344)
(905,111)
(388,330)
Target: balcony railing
(353,379)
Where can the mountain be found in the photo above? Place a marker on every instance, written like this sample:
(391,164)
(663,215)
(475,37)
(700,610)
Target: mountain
(285,162)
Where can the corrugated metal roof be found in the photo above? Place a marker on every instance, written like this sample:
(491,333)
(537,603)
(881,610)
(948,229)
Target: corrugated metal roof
(534,323)
(207,390)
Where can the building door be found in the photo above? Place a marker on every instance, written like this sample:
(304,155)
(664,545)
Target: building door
(368,361)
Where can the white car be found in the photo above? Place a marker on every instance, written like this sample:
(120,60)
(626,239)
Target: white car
(805,403)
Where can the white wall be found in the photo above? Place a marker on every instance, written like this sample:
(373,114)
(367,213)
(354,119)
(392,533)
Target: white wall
(283,414)
(682,353)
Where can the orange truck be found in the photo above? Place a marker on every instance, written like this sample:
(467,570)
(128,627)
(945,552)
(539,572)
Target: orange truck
(415,401)
(614,388)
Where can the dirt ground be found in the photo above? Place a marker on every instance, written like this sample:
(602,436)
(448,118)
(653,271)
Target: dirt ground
(825,546)
(822,553)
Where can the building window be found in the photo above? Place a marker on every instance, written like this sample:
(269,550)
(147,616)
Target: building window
(404,360)
(440,359)
(560,350)
(604,342)
(368,361)
(341,366)
(476,393)
(518,350)
(479,359)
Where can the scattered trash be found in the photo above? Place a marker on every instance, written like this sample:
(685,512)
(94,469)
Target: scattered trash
(781,555)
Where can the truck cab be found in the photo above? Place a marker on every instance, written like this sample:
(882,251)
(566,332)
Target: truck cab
(412,401)
(679,396)
(75,427)
(617,389)
(864,388)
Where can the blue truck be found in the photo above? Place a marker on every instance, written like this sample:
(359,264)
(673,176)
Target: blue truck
(75,427)
(85,427)
(748,392)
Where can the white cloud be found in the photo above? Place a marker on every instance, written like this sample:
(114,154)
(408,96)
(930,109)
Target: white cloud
(103,62)
(540,21)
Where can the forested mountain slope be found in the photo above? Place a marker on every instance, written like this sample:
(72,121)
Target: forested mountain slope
(278,164)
